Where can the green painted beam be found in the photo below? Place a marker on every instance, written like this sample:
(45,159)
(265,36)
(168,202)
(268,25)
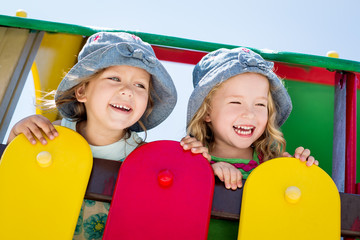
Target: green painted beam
(176,42)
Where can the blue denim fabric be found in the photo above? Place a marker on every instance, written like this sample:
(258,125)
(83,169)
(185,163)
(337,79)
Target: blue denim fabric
(222,64)
(105,49)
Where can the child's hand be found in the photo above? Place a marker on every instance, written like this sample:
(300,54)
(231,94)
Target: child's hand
(228,174)
(34,126)
(191,143)
(303,155)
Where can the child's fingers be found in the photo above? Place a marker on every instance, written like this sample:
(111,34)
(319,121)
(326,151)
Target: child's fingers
(227,177)
(196,146)
(220,175)
(239,179)
(34,127)
(310,161)
(207,156)
(184,140)
(233,179)
(187,139)
(27,130)
(48,128)
(34,130)
(199,149)
(231,176)
(190,143)
(29,136)
(305,155)
(298,152)
(286,154)
(218,172)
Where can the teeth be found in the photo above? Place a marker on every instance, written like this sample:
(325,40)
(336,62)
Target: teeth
(243,130)
(247,132)
(120,107)
(244,127)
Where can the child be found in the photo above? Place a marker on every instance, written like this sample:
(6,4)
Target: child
(236,109)
(117,88)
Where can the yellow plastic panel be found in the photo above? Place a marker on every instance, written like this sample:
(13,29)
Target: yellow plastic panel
(285,199)
(56,56)
(42,187)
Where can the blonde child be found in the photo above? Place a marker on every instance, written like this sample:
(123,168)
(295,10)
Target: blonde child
(117,88)
(236,109)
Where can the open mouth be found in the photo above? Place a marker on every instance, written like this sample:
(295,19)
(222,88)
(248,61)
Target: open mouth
(121,107)
(244,130)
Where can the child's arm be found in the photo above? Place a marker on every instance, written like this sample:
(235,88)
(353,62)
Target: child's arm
(34,126)
(191,143)
(304,155)
(228,174)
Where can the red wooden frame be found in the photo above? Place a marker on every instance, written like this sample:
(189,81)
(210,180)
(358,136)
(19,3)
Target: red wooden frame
(283,70)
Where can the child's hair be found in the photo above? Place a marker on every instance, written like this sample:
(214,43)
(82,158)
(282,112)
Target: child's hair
(217,67)
(106,49)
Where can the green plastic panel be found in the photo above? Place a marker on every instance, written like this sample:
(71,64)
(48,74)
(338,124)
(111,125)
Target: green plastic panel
(311,122)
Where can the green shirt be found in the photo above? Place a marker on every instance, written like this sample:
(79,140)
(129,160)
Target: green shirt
(244,165)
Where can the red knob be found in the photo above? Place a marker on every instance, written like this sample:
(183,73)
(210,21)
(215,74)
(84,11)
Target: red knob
(165,178)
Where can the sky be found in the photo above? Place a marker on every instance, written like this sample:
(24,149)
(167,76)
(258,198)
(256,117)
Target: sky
(307,26)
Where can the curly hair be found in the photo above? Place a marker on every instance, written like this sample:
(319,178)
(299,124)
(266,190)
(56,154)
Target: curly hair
(270,144)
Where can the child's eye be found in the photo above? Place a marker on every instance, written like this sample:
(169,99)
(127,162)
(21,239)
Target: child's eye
(140,85)
(235,102)
(260,104)
(115,79)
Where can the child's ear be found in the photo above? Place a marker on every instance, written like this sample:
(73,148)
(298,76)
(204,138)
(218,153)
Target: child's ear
(80,93)
(207,117)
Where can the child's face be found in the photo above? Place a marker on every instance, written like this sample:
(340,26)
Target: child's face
(239,112)
(117,98)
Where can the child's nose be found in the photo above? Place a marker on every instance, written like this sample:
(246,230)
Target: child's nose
(248,113)
(126,90)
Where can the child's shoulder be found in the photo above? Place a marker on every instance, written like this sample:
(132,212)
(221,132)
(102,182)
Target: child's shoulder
(57,122)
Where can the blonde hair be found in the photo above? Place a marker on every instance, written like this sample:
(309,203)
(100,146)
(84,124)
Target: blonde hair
(78,110)
(271,143)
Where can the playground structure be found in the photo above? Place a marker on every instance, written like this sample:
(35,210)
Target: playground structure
(325,86)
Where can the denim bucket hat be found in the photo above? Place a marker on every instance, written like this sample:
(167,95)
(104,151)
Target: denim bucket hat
(106,49)
(222,64)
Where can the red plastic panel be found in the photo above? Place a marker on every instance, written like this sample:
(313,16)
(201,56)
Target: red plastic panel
(162,192)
